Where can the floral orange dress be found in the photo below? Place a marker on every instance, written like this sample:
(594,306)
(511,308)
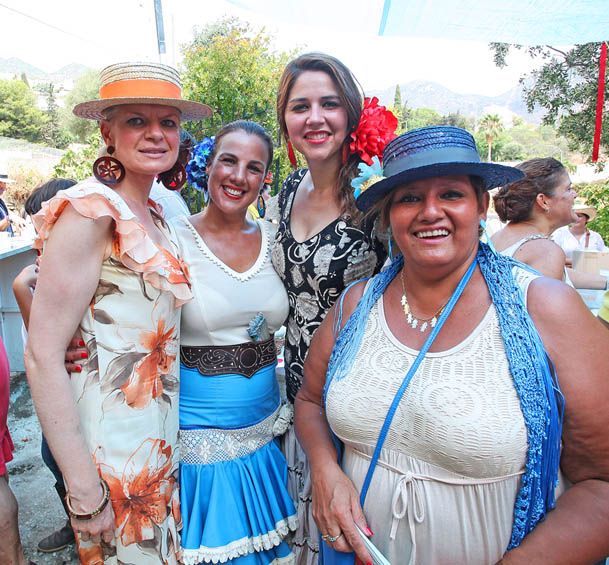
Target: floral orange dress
(127,392)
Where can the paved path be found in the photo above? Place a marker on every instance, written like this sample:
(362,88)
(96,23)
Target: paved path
(40,511)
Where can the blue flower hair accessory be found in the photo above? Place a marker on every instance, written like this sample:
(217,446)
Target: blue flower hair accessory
(369,174)
(196,168)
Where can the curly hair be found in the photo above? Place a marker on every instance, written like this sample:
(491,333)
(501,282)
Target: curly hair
(351,96)
(514,202)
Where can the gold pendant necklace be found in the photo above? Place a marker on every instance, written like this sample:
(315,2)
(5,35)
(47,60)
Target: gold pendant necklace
(423,324)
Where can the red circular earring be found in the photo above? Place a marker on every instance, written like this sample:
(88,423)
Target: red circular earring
(174,178)
(109,170)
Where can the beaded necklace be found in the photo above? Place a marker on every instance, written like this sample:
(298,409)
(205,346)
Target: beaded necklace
(413,320)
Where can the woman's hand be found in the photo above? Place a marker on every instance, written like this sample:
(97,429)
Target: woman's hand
(99,528)
(76,351)
(336,510)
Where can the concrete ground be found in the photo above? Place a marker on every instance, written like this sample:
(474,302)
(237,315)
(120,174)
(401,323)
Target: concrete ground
(40,512)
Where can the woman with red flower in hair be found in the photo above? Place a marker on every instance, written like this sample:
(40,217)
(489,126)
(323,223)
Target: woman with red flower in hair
(321,246)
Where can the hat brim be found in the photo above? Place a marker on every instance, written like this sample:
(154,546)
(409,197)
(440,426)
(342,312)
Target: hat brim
(587,210)
(8,181)
(93,110)
(492,175)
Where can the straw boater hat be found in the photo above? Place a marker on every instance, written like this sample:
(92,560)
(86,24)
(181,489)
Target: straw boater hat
(586,209)
(434,151)
(141,83)
(4,178)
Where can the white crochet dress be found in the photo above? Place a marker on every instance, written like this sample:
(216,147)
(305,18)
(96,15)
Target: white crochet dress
(445,485)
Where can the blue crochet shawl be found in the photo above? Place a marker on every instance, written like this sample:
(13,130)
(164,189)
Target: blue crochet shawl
(541,401)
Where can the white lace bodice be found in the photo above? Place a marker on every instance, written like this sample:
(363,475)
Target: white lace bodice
(444,488)
(460,412)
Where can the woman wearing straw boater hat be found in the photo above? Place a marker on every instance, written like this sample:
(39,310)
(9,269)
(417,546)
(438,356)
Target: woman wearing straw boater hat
(578,236)
(441,380)
(110,269)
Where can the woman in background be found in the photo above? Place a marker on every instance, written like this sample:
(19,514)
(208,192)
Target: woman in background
(578,236)
(534,208)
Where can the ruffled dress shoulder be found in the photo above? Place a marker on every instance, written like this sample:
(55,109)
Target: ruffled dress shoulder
(131,245)
(128,390)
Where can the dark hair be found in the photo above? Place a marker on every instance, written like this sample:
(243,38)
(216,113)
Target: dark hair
(514,202)
(350,94)
(251,128)
(45,192)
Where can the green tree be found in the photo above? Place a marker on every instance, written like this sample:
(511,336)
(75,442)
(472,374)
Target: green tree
(397,107)
(222,27)
(85,88)
(233,72)
(53,134)
(78,164)
(422,117)
(565,86)
(24,79)
(457,120)
(20,117)
(490,125)
(397,97)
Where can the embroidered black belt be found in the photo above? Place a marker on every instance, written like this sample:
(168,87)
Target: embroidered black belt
(243,358)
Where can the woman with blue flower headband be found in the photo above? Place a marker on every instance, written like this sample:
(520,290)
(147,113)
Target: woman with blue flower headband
(450,392)
(233,495)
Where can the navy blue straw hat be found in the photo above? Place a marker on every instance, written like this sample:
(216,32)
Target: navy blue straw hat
(434,151)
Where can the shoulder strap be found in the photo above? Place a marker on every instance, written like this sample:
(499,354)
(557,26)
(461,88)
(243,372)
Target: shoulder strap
(413,369)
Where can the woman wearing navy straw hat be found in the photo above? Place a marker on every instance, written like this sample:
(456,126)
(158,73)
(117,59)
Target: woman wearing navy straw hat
(446,378)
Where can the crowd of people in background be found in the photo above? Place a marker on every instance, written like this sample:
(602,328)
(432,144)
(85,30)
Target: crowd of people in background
(429,409)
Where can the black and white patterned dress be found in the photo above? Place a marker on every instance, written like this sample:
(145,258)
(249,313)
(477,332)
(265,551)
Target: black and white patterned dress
(315,272)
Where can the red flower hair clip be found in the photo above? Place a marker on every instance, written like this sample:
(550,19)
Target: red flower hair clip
(376,128)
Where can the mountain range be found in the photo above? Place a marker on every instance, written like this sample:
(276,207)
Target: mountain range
(417,94)
(427,94)
(16,67)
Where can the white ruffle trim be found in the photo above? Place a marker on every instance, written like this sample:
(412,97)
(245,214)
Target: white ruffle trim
(284,420)
(243,546)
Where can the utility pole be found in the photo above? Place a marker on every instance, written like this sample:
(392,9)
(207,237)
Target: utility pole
(160,30)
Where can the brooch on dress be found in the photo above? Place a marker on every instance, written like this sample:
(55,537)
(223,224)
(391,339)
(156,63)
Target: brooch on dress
(258,329)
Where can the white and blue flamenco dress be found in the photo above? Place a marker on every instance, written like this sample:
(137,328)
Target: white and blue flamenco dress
(233,477)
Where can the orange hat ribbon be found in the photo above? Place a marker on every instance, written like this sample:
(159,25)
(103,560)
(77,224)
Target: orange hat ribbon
(140,88)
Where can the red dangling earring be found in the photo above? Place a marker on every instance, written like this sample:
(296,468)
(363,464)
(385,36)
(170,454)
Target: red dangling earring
(292,156)
(174,178)
(109,170)
(346,152)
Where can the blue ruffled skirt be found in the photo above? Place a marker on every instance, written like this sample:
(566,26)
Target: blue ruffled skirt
(233,477)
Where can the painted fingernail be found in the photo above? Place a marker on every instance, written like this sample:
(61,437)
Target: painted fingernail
(369,531)
(78,369)
(84,355)
(81,343)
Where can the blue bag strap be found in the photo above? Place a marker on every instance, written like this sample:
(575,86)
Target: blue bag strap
(398,395)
